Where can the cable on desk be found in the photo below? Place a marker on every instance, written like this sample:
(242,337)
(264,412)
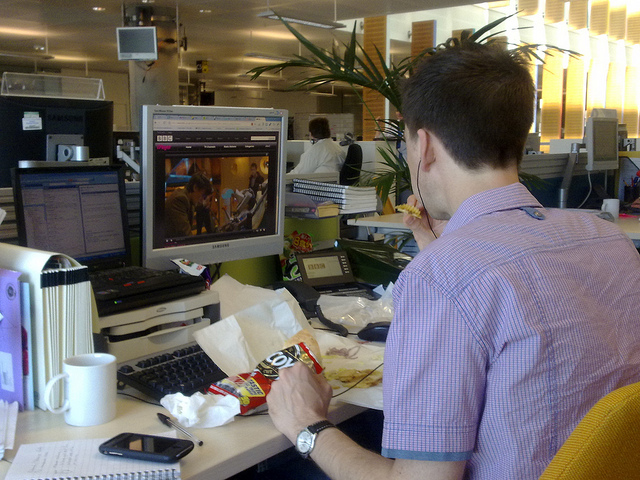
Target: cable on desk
(155,404)
(358,382)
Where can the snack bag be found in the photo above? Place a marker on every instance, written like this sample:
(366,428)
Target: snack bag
(251,389)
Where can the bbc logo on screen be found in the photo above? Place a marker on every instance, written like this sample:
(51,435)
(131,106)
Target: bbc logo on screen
(164,138)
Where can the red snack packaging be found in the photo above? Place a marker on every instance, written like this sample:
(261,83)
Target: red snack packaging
(251,389)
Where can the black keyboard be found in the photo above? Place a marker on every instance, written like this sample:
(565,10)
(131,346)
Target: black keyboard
(134,280)
(127,288)
(186,370)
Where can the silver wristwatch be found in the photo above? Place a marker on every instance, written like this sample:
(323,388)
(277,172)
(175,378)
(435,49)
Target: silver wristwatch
(307,438)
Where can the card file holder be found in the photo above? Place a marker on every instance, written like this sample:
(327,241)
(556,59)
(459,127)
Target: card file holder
(62,313)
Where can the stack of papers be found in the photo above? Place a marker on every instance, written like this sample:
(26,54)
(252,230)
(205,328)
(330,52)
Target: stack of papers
(303,206)
(349,199)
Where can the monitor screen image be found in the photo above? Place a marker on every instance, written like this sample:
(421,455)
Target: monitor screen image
(137,43)
(78,210)
(212,183)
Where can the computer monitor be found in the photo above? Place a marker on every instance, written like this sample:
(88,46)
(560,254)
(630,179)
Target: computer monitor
(78,210)
(601,142)
(137,43)
(242,218)
(31,127)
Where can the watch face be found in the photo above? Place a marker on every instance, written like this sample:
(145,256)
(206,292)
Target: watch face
(304,442)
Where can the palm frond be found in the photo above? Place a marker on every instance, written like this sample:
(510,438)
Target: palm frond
(357,68)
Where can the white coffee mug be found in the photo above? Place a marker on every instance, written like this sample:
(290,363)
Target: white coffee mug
(89,389)
(611,205)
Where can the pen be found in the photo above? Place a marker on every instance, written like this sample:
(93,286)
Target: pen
(170,423)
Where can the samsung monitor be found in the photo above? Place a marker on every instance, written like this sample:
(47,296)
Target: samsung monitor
(137,43)
(601,142)
(78,210)
(32,127)
(240,152)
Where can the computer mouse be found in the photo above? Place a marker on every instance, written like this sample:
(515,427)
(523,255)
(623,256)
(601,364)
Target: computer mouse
(375,332)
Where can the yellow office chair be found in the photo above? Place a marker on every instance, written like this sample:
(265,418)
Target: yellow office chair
(605,444)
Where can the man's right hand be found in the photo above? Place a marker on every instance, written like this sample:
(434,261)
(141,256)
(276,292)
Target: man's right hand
(426,229)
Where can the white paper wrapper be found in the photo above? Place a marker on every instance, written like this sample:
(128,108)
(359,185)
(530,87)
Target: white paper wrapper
(347,353)
(239,342)
(235,296)
(357,312)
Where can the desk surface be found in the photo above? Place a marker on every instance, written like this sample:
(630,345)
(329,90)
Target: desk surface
(227,450)
(629,225)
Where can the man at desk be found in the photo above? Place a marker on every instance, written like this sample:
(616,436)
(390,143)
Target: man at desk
(179,206)
(325,155)
(510,323)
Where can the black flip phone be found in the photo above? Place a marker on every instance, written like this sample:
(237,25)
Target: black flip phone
(147,447)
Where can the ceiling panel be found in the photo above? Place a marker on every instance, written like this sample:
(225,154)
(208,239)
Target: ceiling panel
(220,31)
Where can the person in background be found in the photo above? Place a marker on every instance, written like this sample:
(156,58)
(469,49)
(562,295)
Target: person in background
(325,155)
(512,320)
(255,179)
(180,205)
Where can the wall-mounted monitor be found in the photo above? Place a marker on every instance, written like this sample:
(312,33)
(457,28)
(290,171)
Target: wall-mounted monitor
(31,126)
(601,142)
(137,43)
(241,154)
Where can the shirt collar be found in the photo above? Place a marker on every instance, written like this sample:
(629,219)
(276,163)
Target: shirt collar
(509,197)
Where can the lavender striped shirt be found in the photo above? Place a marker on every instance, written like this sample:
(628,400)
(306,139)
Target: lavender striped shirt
(507,330)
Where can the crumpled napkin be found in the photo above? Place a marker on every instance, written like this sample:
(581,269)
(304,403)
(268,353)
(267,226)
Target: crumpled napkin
(201,411)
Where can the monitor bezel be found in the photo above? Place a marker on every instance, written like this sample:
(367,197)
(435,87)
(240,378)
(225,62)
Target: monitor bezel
(217,251)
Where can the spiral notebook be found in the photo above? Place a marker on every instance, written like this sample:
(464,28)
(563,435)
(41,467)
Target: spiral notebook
(79,460)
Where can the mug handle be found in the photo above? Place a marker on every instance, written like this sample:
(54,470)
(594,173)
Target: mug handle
(47,394)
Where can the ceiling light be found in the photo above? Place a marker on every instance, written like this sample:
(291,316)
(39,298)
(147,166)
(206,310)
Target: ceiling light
(23,32)
(266,56)
(273,35)
(311,23)
(27,56)
(99,9)
(323,94)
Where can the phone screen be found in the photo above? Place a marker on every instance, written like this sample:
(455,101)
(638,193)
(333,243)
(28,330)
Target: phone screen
(145,443)
(147,447)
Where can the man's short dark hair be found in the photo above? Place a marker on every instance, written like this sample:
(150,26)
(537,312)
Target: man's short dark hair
(319,128)
(477,99)
(200,180)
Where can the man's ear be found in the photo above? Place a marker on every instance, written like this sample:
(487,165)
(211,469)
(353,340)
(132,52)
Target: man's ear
(425,144)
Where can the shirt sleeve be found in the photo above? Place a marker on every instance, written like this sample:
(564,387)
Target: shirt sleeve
(434,376)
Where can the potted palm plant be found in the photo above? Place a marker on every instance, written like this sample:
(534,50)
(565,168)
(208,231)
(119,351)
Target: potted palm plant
(354,67)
